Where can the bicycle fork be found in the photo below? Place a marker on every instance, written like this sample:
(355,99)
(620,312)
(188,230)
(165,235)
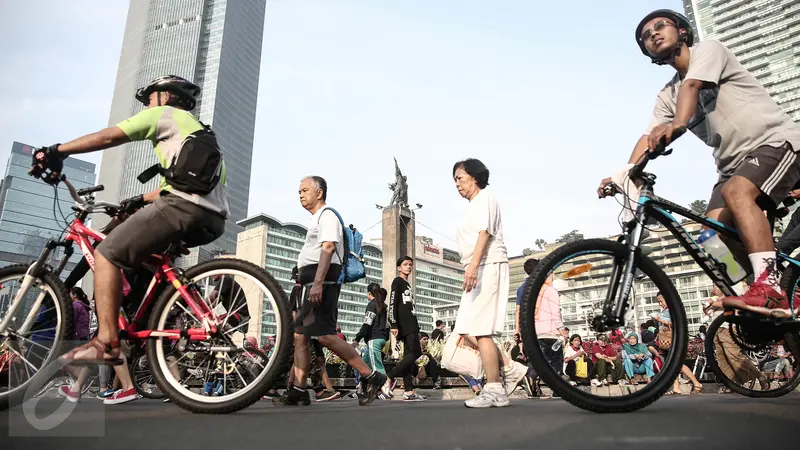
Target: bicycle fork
(616,303)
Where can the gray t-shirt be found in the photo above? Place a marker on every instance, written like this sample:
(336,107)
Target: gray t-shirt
(739,115)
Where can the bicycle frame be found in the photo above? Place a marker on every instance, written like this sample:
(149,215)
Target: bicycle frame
(79,233)
(652,207)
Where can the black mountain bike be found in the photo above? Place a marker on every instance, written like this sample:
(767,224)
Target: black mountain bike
(600,273)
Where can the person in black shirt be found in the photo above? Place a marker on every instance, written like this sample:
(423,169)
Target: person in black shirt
(438,333)
(403,320)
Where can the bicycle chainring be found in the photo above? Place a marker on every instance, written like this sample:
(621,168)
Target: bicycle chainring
(754,336)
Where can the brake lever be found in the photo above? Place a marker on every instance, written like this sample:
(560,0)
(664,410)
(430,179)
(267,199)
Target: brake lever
(610,190)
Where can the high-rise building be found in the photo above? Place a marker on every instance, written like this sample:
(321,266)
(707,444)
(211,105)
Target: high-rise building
(29,215)
(765,37)
(438,283)
(217,45)
(270,243)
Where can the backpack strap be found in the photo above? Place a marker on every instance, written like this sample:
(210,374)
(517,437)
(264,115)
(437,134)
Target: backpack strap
(344,237)
(150,173)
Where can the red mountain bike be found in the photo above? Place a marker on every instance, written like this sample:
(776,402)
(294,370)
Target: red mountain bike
(191,321)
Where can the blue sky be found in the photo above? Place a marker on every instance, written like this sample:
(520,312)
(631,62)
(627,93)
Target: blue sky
(550,96)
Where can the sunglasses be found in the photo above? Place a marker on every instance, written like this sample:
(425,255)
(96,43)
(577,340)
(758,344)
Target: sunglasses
(658,26)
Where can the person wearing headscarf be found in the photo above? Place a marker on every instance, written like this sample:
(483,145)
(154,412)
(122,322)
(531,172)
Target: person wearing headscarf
(636,358)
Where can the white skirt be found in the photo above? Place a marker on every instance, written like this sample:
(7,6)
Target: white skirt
(483,309)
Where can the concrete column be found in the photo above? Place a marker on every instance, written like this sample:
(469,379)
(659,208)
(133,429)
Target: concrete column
(251,246)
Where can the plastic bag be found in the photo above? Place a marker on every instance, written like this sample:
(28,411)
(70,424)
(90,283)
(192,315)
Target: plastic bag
(461,357)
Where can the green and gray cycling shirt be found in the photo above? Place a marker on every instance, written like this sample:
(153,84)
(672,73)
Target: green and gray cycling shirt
(166,127)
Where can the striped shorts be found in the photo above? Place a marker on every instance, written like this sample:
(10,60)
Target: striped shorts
(775,171)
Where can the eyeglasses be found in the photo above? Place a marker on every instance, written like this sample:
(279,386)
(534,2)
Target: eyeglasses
(658,26)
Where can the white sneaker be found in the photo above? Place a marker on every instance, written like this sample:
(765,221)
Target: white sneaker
(489,398)
(596,382)
(513,375)
(387,389)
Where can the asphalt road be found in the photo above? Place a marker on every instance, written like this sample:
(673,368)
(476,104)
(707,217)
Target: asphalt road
(697,422)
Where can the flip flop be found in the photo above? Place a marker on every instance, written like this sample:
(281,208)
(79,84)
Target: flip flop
(93,353)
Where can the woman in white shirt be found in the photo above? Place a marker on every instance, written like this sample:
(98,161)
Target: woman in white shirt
(481,314)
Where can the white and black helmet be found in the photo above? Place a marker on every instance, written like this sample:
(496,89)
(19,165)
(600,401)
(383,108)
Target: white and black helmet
(681,22)
(183,89)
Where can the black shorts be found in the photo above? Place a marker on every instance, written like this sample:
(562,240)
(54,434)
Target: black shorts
(317,347)
(151,230)
(775,171)
(318,320)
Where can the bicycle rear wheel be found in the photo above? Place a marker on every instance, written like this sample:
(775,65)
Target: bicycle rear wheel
(143,379)
(737,351)
(28,358)
(217,362)
(582,268)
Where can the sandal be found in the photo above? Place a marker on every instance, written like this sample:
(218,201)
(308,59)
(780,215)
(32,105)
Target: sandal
(94,353)
(696,389)
(672,393)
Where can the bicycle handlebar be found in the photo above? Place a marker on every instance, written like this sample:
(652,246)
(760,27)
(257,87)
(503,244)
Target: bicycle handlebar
(660,150)
(81,202)
(72,191)
(91,190)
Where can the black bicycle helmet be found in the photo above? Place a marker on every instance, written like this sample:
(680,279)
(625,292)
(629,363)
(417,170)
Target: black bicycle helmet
(185,90)
(680,21)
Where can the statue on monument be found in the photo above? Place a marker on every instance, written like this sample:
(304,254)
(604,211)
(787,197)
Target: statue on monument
(399,188)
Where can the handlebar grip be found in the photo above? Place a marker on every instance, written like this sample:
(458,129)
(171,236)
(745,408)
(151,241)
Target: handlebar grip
(662,145)
(91,190)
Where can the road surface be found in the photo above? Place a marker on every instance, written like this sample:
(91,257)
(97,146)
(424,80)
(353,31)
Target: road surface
(689,422)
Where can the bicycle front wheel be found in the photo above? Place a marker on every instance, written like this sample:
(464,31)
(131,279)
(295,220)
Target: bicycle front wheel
(569,289)
(27,359)
(248,303)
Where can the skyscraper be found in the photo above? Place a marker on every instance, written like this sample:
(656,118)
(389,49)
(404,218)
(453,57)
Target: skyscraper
(763,34)
(217,45)
(29,215)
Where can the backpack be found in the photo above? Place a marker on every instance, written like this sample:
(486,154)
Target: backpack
(352,266)
(196,168)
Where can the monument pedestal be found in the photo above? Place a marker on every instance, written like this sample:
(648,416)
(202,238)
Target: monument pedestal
(398,241)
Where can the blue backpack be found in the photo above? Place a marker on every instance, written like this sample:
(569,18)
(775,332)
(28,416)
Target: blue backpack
(352,266)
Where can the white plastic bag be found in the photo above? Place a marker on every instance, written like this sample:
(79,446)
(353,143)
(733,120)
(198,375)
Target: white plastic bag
(461,357)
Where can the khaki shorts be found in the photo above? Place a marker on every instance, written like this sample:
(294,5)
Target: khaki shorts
(775,171)
(168,220)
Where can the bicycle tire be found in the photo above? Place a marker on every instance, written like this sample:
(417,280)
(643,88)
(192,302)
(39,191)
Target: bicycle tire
(634,401)
(282,353)
(63,332)
(143,392)
(789,285)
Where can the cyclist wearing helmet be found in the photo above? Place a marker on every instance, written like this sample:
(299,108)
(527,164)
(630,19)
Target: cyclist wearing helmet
(754,141)
(173,216)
